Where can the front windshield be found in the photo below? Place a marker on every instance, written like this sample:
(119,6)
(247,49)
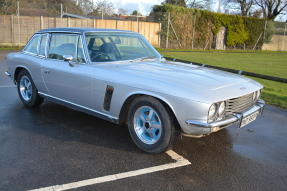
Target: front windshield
(107,47)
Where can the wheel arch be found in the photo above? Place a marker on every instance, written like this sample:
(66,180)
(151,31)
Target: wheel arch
(125,107)
(18,69)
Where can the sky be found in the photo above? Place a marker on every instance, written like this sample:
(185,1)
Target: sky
(143,6)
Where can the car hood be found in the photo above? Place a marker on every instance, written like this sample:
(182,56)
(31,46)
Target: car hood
(182,79)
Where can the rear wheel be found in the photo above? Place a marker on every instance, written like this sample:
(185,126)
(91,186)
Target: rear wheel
(151,125)
(27,90)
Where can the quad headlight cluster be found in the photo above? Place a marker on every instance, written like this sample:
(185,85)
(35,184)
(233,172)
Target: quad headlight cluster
(216,110)
(256,95)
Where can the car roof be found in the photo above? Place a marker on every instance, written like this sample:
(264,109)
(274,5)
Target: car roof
(81,30)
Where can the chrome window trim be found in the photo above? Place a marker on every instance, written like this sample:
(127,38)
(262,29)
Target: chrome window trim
(31,53)
(71,32)
(68,33)
(86,52)
(81,39)
(99,114)
(45,51)
(38,45)
(136,34)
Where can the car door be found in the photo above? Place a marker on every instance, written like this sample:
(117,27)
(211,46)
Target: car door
(67,81)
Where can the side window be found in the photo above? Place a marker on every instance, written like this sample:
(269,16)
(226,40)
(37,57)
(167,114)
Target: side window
(32,46)
(43,44)
(63,44)
(80,52)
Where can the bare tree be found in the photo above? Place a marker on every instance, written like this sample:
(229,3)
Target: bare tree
(136,13)
(122,11)
(103,7)
(244,6)
(86,5)
(271,8)
(5,5)
(181,3)
(199,4)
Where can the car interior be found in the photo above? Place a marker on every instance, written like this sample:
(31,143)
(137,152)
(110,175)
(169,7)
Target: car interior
(102,50)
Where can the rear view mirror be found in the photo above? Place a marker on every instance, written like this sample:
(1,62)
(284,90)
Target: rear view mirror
(117,40)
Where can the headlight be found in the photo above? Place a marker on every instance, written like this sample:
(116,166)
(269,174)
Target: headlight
(254,96)
(258,94)
(212,111)
(221,108)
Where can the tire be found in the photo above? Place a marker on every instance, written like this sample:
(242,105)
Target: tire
(154,134)
(31,98)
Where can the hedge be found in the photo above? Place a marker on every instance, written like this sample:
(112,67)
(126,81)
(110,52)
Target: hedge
(240,31)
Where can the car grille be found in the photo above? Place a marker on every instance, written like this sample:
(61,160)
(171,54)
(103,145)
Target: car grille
(239,104)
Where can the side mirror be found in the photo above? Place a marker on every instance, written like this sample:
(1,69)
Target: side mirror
(69,59)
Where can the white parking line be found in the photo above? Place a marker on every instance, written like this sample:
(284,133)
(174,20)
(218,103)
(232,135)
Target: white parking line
(180,161)
(8,86)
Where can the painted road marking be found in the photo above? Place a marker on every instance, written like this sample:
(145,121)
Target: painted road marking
(180,161)
(8,86)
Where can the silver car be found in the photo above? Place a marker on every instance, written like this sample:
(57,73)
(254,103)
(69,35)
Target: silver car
(118,76)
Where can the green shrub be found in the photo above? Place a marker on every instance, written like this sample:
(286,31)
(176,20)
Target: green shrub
(240,31)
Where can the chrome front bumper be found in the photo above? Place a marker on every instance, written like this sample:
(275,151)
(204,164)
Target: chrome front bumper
(8,74)
(218,125)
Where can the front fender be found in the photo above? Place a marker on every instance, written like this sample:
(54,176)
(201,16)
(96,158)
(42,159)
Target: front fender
(182,108)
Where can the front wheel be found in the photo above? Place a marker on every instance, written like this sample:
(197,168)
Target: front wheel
(151,125)
(27,90)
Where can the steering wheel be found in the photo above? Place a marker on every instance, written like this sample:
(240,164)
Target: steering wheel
(100,56)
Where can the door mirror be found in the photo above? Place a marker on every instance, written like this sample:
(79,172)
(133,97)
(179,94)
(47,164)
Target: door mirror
(68,58)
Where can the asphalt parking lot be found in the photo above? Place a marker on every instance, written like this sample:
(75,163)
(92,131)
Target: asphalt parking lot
(53,145)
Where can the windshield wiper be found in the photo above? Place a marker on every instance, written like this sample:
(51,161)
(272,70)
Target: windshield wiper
(142,58)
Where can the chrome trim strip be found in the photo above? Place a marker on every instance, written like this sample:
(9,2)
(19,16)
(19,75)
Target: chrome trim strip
(95,112)
(81,32)
(7,74)
(237,117)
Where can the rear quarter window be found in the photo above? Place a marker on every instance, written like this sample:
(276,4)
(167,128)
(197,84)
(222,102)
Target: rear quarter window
(32,46)
(42,47)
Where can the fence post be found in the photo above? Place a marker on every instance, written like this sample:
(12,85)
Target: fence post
(94,23)
(138,24)
(264,31)
(12,29)
(175,34)
(193,31)
(68,21)
(167,32)
(19,31)
(159,35)
(257,41)
(41,22)
(284,36)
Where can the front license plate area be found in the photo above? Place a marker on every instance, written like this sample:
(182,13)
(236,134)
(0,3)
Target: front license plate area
(248,119)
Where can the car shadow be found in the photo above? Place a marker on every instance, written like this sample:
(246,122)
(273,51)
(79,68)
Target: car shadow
(68,125)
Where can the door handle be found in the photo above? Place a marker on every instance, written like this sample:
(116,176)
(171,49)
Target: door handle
(47,71)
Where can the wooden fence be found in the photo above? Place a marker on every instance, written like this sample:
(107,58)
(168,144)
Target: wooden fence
(277,43)
(17,30)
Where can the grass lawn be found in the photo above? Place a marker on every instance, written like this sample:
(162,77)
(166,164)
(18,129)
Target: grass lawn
(274,64)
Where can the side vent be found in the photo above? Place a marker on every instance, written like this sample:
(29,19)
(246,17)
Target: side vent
(108,97)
